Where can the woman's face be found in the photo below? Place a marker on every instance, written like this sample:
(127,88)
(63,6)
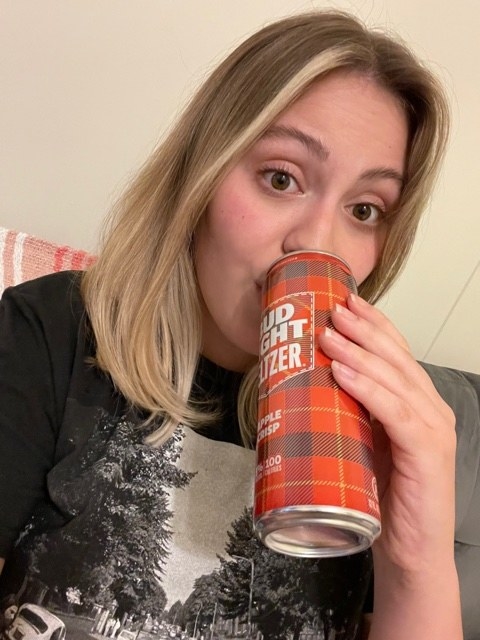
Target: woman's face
(321,177)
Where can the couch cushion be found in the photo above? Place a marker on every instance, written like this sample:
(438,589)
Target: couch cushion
(461,390)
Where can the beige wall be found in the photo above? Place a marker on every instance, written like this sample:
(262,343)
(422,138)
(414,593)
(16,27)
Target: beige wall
(88,86)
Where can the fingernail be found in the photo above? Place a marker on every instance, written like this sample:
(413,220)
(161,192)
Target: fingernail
(339,308)
(356,299)
(334,336)
(343,370)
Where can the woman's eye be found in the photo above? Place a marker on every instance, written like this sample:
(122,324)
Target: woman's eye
(280,180)
(366,212)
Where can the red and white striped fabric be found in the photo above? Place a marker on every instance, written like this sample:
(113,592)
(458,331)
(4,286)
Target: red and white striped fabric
(24,257)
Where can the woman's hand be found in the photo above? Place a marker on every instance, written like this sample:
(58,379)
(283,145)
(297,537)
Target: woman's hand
(414,441)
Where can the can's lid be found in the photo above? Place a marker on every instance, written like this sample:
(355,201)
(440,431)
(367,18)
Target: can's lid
(313,253)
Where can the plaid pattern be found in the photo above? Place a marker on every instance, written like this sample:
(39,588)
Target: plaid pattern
(321,451)
(25,257)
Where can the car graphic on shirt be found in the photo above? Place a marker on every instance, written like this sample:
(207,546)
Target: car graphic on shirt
(33,622)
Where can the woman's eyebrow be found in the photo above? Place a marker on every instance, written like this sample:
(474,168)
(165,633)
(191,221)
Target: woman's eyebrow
(316,146)
(385,173)
(313,145)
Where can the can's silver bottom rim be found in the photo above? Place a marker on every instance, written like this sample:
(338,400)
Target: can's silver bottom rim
(317,531)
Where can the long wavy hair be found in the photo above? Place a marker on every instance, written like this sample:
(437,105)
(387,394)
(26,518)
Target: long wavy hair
(141,295)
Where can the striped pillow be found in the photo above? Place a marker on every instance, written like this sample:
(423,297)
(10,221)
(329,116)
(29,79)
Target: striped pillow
(24,257)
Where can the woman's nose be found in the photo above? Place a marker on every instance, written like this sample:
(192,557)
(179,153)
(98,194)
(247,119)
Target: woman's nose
(311,231)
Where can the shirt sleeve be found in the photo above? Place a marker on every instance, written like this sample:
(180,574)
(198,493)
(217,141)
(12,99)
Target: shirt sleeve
(29,403)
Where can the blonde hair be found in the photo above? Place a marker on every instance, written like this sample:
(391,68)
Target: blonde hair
(141,295)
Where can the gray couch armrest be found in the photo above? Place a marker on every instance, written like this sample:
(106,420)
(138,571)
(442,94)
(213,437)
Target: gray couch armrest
(461,391)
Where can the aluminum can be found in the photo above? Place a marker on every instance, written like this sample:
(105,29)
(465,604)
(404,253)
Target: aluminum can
(315,490)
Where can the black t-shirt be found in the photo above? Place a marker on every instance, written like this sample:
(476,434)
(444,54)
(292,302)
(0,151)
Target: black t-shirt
(109,536)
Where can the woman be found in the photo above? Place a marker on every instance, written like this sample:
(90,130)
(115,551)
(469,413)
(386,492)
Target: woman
(314,133)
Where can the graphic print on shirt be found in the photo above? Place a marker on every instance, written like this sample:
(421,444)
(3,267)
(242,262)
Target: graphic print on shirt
(149,544)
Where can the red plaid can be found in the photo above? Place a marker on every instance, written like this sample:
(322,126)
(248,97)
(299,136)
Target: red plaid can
(315,491)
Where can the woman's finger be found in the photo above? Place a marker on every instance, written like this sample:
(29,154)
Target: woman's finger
(373,332)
